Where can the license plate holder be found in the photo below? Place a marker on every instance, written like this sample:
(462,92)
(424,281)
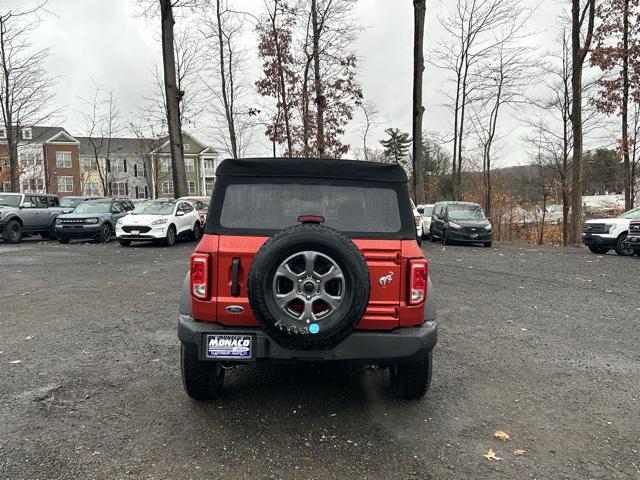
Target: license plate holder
(135,232)
(235,347)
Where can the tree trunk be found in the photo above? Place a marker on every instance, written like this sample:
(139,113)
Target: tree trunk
(283,87)
(173,99)
(320,100)
(223,85)
(419,10)
(578,54)
(628,199)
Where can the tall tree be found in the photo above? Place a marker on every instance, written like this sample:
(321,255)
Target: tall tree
(419,11)
(616,52)
(369,114)
(579,49)
(469,39)
(397,145)
(25,85)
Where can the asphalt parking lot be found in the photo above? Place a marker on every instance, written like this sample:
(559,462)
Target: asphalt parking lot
(541,343)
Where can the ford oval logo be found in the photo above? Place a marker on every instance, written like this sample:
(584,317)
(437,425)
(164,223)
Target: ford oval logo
(235,309)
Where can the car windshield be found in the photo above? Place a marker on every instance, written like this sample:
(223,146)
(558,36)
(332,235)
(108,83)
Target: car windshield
(631,214)
(154,208)
(70,202)
(93,207)
(427,211)
(10,200)
(465,212)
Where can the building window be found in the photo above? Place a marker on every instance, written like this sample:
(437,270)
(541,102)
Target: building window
(167,188)
(119,189)
(209,164)
(25,187)
(65,184)
(192,187)
(91,189)
(63,160)
(117,166)
(208,186)
(4,163)
(31,159)
(165,164)
(3,133)
(27,134)
(22,158)
(89,165)
(138,170)
(38,156)
(189,165)
(187,147)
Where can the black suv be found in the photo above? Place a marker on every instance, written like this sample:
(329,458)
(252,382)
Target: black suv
(462,222)
(91,219)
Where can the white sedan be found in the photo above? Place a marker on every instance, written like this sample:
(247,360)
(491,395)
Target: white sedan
(159,220)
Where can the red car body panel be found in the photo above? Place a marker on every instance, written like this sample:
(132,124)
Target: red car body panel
(388,262)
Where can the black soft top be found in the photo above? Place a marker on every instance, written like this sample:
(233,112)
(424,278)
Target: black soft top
(313,168)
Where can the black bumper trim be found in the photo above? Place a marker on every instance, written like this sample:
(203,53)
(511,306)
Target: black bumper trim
(401,345)
(599,241)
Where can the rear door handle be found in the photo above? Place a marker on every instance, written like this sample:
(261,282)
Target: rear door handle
(235,272)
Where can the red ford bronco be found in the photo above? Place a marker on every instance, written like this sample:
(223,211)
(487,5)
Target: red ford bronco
(308,260)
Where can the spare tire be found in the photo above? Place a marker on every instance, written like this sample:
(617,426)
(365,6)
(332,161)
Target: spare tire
(308,286)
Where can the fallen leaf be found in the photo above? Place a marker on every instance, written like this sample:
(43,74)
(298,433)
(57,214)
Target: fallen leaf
(28,337)
(500,435)
(587,280)
(13,362)
(491,455)
(519,452)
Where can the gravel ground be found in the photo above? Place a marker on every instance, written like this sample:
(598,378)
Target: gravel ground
(539,342)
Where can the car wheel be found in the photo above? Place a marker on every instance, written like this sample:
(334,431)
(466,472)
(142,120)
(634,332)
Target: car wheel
(599,250)
(124,243)
(623,248)
(308,286)
(63,240)
(419,240)
(201,380)
(445,238)
(431,237)
(12,232)
(411,380)
(196,235)
(105,233)
(170,239)
(488,244)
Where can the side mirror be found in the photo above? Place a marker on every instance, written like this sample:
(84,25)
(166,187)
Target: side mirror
(179,213)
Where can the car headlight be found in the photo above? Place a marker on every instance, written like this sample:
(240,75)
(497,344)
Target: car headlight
(416,220)
(160,221)
(58,221)
(610,228)
(488,227)
(91,220)
(119,222)
(454,225)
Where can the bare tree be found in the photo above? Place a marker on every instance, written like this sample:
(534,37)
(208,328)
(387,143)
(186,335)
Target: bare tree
(369,114)
(579,49)
(470,39)
(102,123)
(419,10)
(25,86)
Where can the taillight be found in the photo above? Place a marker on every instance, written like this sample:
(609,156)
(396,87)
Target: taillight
(417,281)
(200,275)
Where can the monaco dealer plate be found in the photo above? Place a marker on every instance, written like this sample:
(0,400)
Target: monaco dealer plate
(229,347)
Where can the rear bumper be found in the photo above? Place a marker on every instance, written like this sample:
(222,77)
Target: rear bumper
(401,345)
(591,240)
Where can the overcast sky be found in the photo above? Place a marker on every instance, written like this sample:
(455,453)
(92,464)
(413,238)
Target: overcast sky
(107,41)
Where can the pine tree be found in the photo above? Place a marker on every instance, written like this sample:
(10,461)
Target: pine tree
(397,145)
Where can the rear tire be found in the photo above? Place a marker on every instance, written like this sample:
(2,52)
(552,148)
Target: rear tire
(621,248)
(201,380)
(170,239)
(412,380)
(599,250)
(445,238)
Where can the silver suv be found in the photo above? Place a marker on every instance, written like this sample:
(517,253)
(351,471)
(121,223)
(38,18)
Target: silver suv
(26,214)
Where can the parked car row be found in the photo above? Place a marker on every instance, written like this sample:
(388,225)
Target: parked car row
(455,222)
(603,234)
(100,218)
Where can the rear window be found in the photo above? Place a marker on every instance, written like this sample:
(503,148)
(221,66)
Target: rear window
(277,206)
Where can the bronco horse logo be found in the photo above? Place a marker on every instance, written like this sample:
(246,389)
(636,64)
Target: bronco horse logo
(385,280)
